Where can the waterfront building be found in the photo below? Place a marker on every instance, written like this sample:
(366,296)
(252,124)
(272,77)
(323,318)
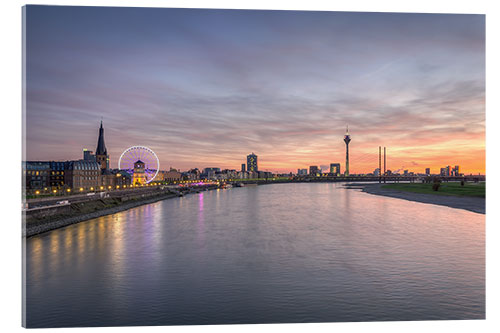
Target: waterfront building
(301,172)
(456,171)
(347,139)
(172,175)
(335,169)
(314,170)
(88,155)
(243,167)
(139,177)
(405,173)
(101,153)
(242,175)
(107,179)
(427,171)
(264,174)
(376,172)
(56,178)
(36,175)
(209,173)
(252,162)
(193,174)
(82,175)
(253,174)
(121,178)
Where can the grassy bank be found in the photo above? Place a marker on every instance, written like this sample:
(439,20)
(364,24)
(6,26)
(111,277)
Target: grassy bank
(452,188)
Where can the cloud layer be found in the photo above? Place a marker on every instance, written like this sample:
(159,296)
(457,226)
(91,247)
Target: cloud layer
(207,87)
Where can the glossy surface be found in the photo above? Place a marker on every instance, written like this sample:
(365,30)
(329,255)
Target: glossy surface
(266,254)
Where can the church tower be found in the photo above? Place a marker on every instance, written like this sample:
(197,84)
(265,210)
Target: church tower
(101,154)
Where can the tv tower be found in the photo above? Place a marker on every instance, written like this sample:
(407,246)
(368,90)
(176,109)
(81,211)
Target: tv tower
(347,139)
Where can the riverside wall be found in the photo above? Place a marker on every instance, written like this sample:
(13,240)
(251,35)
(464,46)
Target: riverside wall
(43,219)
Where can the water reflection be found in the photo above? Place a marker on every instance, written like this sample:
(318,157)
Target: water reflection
(201,221)
(274,253)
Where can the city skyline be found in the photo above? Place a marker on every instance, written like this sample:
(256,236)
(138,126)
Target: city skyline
(281,84)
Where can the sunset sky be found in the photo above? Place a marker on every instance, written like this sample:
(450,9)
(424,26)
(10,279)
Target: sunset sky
(204,88)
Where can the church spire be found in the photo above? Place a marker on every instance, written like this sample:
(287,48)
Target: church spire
(101,147)
(101,152)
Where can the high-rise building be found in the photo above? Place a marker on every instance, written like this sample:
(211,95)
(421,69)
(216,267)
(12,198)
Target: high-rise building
(252,162)
(335,169)
(313,170)
(456,171)
(347,139)
(243,167)
(427,171)
(376,172)
(101,154)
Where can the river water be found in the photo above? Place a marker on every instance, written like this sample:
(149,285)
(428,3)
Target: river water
(282,253)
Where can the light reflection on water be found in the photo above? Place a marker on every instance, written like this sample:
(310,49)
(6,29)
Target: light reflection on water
(274,253)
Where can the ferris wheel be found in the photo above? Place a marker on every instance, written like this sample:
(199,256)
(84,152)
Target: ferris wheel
(142,154)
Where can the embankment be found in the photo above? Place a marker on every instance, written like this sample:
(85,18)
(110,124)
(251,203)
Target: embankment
(36,221)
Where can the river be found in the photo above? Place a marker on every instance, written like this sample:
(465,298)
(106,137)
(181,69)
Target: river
(282,253)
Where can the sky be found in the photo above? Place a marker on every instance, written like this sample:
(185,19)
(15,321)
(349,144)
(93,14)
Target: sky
(205,88)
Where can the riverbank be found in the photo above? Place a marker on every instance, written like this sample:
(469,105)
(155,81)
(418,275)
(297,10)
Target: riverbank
(79,212)
(36,227)
(473,204)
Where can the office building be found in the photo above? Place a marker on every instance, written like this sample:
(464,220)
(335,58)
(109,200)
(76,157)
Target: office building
(252,162)
(313,170)
(335,169)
